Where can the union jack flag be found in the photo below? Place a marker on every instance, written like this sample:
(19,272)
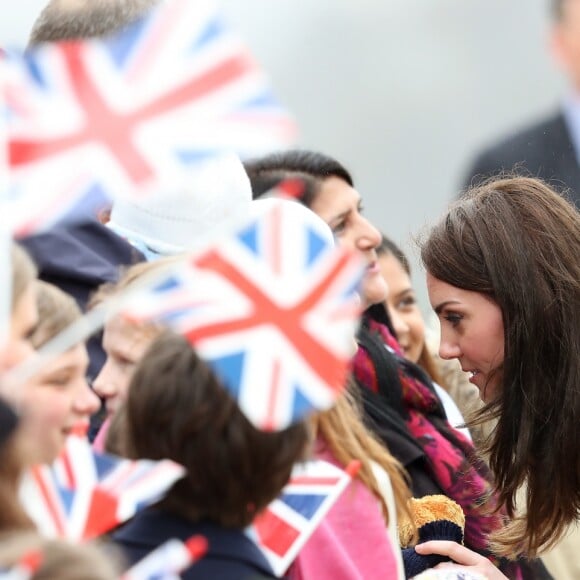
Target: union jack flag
(91,120)
(168,560)
(84,494)
(272,308)
(25,568)
(283,528)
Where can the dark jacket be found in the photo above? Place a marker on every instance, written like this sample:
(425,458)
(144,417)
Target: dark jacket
(231,554)
(542,150)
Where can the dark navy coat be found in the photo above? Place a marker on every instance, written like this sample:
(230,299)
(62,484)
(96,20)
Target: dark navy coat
(231,554)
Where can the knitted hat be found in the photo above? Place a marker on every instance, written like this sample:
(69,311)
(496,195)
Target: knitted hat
(175,221)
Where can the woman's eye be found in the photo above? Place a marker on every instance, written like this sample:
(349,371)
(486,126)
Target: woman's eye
(338,229)
(407,302)
(453,319)
(59,380)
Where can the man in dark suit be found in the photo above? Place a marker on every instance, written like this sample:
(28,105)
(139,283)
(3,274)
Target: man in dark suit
(550,148)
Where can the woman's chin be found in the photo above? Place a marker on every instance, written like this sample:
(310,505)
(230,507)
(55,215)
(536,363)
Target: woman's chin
(374,290)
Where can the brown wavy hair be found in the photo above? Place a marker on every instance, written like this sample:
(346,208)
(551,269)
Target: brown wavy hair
(177,409)
(517,241)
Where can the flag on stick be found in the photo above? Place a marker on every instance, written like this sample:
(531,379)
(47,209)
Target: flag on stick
(273,308)
(91,120)
(84,494)
(283,528)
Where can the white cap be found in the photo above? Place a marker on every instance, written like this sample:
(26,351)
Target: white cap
(217,191)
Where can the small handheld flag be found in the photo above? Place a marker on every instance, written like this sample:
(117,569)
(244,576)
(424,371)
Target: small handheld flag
(84,494)
(283,528)
(272,307)
(88,121)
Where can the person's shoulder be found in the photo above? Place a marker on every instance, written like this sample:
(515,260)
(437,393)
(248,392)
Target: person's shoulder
(527,137)
(231,553)
(524,150)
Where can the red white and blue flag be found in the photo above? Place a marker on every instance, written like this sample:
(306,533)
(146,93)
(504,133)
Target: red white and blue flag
(84,494)
(273,308)
(91,120)
(288,522)
(168,560)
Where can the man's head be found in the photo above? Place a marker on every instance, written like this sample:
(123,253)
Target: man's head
(566,38)
(72,19)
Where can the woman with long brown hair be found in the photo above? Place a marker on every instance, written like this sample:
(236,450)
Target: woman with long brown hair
(503,274)
(400,404)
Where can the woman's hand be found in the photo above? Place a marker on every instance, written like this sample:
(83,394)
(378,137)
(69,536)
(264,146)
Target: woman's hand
(464,558)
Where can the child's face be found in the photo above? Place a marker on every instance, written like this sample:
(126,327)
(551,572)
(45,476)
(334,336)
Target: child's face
(55,401)
(125,344)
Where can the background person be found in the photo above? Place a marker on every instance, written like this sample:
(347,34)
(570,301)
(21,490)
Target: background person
(550,147)
(399,400)
(407,320)
(177,409)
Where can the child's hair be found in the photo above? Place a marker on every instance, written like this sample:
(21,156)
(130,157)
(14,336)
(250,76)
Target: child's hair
(128,277)
(23,272)
(348,439)
(58,559)
(178,409)
(56,311)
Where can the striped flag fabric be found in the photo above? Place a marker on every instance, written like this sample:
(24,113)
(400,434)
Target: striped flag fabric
(84,494)
(272,307)
(168,560)
(285,526)
(91,120)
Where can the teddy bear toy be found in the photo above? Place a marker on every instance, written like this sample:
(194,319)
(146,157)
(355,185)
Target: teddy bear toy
(436,517)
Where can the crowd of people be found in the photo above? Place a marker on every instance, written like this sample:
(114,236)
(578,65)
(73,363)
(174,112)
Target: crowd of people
(487,420)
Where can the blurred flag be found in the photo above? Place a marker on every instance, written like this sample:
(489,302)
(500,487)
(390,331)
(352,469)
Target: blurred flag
(272,308)
(91,120)
(285,526)
(84,494)
(168,560)
(25,568)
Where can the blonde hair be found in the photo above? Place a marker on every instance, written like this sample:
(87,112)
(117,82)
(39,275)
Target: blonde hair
(23,272)
(128,277)
(348,439)
(56,311)
(59,559)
